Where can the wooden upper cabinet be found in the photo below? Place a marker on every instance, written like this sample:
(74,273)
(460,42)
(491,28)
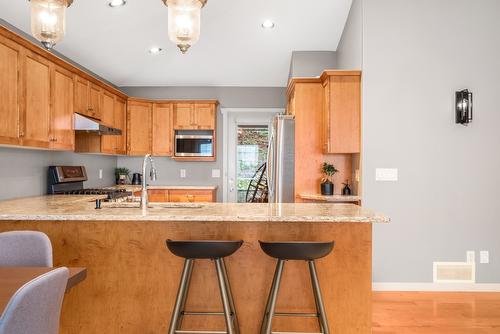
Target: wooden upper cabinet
(342,112)
(139,128)
(87,98)
(120,109)
(194,116)
(204,116)
(162,127)
(62,135)
(35,125)
(10,91)
(183,116)
(95,100)
(108,142)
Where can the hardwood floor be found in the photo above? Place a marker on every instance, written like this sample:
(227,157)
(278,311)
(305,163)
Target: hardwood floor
(437,313)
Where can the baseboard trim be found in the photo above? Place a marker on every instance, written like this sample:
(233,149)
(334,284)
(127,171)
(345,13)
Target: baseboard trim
(442,287)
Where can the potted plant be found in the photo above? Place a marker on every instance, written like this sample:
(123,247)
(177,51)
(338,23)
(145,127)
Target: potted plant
(328,171)
(121,175)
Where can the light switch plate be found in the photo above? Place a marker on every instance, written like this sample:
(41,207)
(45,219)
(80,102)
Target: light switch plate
(471,256)
(216,173)
(484,257)
(183,173)
(100,174)
(386,174)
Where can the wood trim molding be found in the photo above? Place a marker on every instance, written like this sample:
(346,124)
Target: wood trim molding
(145,100)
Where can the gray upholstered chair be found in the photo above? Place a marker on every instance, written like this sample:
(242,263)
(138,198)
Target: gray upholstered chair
(25,249)
(36,307)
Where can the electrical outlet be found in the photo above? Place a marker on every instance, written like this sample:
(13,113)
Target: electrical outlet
(386,174)
(183,173)
(100,174)
(216,173)
(484,257)
(471,256)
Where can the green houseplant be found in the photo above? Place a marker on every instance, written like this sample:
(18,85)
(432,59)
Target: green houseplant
(328,171)
(121,175)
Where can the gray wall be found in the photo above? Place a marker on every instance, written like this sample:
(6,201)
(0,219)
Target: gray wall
(350,48)
(311,63)
(23,172)
(416,55)
(200,173)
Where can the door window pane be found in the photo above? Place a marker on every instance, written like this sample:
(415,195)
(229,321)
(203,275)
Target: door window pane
(251,153)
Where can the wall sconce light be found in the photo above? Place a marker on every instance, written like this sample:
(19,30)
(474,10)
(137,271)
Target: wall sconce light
(463,102)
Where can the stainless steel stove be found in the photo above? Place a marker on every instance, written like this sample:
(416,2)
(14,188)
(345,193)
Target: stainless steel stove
(68,180)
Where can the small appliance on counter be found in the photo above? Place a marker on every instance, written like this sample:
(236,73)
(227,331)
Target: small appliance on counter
(68,180)
(137,179)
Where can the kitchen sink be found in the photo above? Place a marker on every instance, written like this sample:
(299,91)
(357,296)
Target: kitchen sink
(154,205)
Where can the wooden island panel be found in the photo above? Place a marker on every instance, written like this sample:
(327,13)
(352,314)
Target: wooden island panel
(132,278)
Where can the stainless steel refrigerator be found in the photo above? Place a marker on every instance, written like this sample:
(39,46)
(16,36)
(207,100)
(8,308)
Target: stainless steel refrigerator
(281,160)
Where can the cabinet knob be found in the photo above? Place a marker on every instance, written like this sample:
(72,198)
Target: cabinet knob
(21,134)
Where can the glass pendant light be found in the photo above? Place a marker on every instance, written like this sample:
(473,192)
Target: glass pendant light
(184,18)
(48,20)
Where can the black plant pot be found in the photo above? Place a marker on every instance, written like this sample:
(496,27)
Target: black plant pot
(327,188)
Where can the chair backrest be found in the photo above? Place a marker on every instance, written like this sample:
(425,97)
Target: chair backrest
(25,249)
(36,307)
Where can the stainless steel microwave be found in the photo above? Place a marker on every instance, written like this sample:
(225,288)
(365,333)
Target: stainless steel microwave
(194,145)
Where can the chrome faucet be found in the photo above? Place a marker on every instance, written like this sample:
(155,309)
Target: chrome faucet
(152,176)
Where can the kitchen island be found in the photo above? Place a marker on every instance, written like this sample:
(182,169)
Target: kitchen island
(132,278)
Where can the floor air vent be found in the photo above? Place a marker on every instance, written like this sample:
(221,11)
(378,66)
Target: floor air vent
(454,272)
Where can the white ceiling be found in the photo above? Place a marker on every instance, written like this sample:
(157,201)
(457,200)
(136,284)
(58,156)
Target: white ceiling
(233,49)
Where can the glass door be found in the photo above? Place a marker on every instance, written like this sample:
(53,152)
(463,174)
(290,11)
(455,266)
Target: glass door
(248,136)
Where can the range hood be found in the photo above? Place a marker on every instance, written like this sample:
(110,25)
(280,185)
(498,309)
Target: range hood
(89,125)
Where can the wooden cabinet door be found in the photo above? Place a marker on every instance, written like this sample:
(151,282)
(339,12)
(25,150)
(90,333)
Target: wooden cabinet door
(138,128)
(162,126)
(62,135)
(344,119)
(10,91)
(204,116)
(193,196)
(36,111)
(108,142)
(183,116)
(81,96)
(158,195)
(120,109)
(95,101)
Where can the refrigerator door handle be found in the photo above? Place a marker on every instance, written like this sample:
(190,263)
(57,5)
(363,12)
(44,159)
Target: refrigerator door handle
(269,173)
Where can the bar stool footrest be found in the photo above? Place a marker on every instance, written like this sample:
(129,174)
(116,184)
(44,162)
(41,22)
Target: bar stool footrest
(295,333)
(201,313)
(292,314)
(199,332)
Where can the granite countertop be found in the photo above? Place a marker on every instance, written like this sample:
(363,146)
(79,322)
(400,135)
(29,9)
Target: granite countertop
(135,187)
(81,207)
(333,198)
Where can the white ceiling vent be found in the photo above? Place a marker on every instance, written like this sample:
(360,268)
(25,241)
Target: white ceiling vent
(454,272)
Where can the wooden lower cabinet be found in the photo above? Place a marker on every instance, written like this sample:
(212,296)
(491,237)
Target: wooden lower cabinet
(198,196)
(181,195)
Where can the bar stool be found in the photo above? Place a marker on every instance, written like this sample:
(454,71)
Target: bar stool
(192,250)
(304,251)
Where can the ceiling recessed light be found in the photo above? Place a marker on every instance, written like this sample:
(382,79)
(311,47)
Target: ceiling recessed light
(155,50)
(117,3)
(268,24)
